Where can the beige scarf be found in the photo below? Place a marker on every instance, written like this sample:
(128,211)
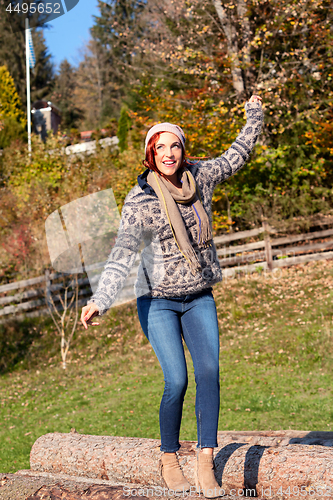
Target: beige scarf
(169,196)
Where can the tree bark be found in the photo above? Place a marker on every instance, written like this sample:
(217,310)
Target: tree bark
(255,461)
(27,485)
(246,37)
(230,32)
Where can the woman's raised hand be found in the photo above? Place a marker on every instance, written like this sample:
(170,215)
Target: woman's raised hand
(88,313)
(255,98)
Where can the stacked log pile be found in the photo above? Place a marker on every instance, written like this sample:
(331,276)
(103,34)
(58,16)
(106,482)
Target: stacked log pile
(269,464)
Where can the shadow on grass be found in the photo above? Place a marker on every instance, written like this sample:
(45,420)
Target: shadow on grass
(16,340)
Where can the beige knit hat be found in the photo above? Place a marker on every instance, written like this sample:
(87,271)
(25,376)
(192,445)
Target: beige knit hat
(166,127)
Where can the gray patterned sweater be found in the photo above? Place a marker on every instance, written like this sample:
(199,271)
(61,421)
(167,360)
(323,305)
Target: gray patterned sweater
(163,271)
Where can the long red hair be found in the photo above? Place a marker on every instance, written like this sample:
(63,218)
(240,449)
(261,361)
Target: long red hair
(149,161)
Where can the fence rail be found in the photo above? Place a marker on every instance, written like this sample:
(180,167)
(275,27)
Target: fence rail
(268,253)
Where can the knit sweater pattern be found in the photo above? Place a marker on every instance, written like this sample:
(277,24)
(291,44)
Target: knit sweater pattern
(163,270)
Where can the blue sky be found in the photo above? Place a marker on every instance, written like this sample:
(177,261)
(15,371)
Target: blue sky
(70,32)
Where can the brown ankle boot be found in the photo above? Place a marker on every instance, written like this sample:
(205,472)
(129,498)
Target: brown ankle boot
(172,473)
(205,481)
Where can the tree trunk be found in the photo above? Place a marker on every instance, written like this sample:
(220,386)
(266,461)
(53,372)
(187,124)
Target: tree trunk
(229,213)
(27,485)
(255,461)
(232,45)
(251,460)
(246,37)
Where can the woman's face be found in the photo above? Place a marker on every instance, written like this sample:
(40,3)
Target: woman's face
(169,153)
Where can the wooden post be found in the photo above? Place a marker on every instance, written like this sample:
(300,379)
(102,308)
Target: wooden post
(48,288)
(268,246)
(231,230)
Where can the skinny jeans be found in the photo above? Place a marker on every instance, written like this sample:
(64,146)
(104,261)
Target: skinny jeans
(166,322)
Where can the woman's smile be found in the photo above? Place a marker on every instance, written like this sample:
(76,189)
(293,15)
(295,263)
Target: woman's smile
(169,163)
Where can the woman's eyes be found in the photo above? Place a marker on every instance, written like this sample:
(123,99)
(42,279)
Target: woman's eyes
(173,146)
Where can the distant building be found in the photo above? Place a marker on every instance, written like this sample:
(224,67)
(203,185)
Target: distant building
(46,116)
(86,135)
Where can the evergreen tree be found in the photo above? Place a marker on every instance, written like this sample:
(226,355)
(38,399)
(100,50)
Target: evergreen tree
(63,96)
(123,127)
(91,91)
(116,33)
(12,55)
(42,76)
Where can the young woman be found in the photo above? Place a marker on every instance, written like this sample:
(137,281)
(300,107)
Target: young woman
(170,210)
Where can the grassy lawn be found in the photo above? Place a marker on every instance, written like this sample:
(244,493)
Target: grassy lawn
(276,370)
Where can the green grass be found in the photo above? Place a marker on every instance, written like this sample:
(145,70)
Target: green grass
(276,369)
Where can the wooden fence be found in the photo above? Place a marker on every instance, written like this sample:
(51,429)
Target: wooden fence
(266,254)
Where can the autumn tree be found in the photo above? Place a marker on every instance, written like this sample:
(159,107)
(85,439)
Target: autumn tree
(282,50)
(63,96)
(91,87)
(111,61)
(215,55)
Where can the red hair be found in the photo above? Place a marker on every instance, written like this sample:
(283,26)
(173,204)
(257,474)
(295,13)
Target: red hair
(149,161)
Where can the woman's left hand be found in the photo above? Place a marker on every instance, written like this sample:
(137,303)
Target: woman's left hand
(255,98)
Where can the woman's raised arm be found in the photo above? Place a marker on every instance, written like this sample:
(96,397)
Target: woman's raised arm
(220,168)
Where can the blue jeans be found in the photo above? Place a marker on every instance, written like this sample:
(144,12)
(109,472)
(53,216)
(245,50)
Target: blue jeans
(165,322)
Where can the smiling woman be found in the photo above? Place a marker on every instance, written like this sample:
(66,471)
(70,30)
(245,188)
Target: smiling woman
(168,156)
(165,151)
(170,210)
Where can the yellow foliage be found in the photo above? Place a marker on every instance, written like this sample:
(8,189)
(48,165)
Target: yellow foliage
(10,103)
